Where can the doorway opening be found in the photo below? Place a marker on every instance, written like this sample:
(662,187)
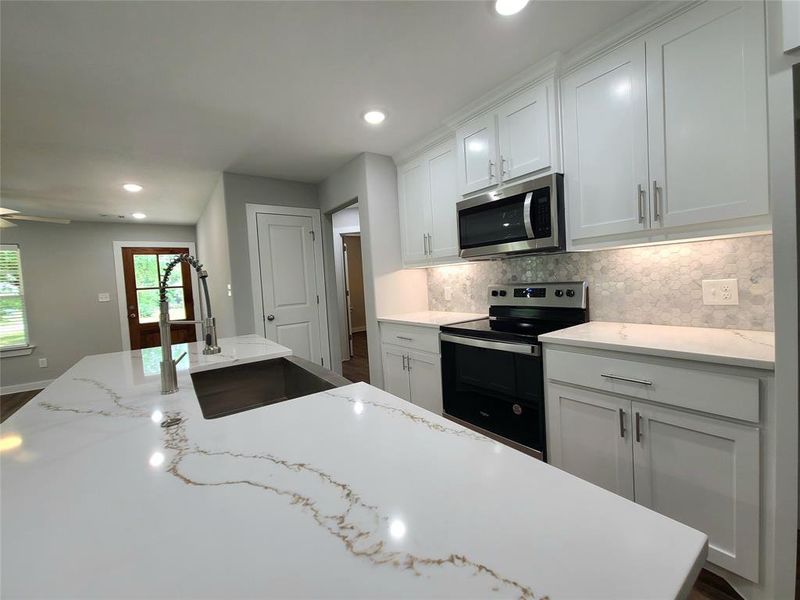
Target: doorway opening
(350,294)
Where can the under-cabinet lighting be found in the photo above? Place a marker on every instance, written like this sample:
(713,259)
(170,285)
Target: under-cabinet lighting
(133,188)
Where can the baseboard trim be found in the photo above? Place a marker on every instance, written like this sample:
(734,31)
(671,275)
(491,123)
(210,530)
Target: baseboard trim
(25,387)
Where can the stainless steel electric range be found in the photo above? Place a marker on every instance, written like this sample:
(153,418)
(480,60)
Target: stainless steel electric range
(492,372)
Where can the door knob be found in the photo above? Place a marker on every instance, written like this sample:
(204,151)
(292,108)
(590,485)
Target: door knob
(132,315)
(270,317)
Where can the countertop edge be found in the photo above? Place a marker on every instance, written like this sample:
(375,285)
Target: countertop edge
(721,359)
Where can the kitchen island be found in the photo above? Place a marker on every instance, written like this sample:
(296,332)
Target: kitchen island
(347,493)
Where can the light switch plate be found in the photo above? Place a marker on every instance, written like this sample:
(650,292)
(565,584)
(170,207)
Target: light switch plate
(103,297)
(42,363)
(448,293)
(720,292)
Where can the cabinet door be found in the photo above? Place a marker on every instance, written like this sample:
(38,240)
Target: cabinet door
(444,195)
(706,101)
(425,374)
(395,375)
(524,132)
(702,472)
(477,152)
(589,435)
(415,211)
(605,144)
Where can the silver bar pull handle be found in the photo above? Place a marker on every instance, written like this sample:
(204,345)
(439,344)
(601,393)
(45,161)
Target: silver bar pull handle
(628,379)
(491,170)
(638,428)
(402,337)
(622,423)
(430,245)
(640,200)
(656,201)
(408,363)
(404,362)
(425,244)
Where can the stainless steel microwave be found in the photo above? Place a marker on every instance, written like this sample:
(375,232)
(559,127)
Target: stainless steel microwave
(523,218)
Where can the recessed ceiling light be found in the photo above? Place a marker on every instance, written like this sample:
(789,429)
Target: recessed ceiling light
(139,216)
(132,187)
(374,117)
(509,7)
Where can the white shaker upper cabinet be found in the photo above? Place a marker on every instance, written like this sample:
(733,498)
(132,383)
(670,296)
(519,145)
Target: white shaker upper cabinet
(524,128)
(605,144)
(443,241)
(477,154)
(707,111)
(415,211)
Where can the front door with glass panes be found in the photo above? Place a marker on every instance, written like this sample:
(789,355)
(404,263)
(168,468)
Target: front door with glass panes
(143,268)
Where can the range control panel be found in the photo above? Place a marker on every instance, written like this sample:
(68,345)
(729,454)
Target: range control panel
(570,294)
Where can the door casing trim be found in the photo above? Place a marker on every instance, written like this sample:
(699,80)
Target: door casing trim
(253,210)
(120,279)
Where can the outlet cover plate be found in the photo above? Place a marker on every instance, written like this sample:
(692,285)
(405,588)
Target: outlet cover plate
(103,297)
(720,292)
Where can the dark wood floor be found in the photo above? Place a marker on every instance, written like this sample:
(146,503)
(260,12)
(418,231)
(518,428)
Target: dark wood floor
(357,368)
(11,403)
(708,586)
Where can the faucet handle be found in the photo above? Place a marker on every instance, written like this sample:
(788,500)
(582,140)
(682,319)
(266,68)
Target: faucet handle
(175,361)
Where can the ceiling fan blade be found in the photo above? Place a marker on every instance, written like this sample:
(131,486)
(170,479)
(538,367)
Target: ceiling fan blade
(38,219)
(4,224)
(7,211)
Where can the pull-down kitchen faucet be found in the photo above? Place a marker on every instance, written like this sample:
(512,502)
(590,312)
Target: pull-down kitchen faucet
(169,374)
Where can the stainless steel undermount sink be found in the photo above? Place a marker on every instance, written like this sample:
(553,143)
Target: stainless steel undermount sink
(234,389)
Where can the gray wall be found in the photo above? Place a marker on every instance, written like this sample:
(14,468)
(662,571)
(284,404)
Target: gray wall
(241,190)
(213,252)
(64,267)
(388,288)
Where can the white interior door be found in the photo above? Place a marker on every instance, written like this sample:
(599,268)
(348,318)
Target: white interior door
(524,125)
(589,435)
(707,114)
(702,472)
(605,144)
(288,283)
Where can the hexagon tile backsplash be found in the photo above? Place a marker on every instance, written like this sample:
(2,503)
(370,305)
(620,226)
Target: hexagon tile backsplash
(661,285)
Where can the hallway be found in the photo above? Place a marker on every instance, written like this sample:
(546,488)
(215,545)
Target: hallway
(357,368)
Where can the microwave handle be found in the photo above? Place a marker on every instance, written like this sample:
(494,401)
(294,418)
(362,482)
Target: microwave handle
(527,215)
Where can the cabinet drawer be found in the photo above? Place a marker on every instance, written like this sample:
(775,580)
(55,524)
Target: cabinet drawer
(409,336)
(731,396)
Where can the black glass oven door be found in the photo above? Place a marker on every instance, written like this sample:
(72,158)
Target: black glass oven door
(500,391)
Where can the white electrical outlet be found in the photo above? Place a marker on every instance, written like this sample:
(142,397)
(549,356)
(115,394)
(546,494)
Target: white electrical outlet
(720,291)
(448,293)
(42,363)
(103,297)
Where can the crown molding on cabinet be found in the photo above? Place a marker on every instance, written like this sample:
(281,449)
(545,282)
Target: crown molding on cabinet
(555,65)
(626,30)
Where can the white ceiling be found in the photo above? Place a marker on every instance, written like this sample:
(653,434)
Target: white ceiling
(168,94)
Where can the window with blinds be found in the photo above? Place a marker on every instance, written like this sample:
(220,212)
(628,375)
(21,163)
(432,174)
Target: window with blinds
(13,324)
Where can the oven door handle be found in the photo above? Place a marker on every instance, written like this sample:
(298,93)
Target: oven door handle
(527,215)
(529,349)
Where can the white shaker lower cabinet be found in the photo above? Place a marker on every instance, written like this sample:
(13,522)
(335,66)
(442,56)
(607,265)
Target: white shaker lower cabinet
(611,421)
(591,437)
(412,365)
(703,472)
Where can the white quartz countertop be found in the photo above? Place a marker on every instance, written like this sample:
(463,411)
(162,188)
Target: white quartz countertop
(432,318)
(736,347)
(352,493)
